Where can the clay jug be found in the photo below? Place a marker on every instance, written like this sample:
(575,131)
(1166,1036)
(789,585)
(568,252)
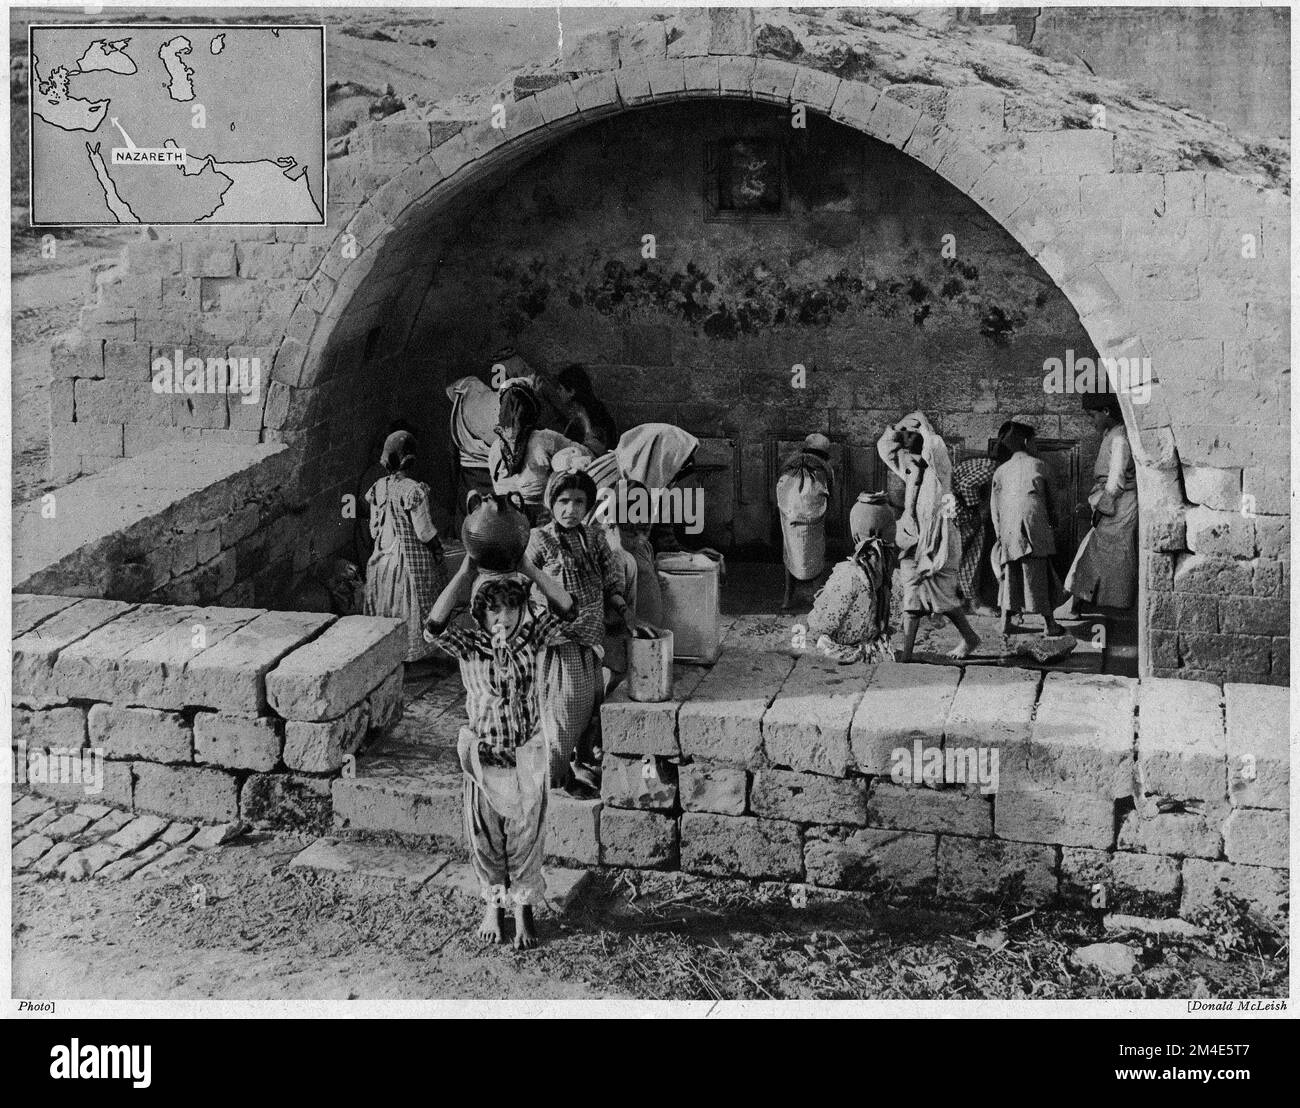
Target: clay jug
(870,513)
(495,533)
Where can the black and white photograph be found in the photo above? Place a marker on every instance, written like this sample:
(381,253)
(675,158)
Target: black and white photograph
(733,511)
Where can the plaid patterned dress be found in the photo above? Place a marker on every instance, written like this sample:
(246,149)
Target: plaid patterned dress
(580,559)
(501,697)
(968,479)
(403,576)
(505,790)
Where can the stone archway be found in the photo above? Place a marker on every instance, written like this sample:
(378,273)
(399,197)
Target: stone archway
(417,195)
(1148,251)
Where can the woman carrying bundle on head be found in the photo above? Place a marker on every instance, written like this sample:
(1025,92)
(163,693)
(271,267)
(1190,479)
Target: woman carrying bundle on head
(405,572)
(520,457)
(803,492)
(1024,519)
(928,543)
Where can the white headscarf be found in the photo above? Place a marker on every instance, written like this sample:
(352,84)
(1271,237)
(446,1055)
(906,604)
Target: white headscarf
(654,453)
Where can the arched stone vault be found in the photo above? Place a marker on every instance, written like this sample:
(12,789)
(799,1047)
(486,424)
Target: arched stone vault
(1153,262)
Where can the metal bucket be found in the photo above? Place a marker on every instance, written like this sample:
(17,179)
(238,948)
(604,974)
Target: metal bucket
(650,667)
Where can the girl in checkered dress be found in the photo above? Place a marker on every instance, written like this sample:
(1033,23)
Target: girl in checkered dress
(405,572)
(503,750)
(579,558)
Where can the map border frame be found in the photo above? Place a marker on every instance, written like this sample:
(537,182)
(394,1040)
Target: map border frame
(324,118)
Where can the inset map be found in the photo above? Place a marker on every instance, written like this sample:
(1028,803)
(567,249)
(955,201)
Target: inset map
(169,123)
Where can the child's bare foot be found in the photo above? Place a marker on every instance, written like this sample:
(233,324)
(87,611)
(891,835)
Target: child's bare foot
(525,932)
(966,648)
(494,922)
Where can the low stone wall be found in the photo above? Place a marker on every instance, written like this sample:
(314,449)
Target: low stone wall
(209,714)
(1143,796)
(189,522)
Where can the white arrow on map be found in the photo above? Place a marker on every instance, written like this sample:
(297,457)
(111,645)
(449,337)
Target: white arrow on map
(126,138)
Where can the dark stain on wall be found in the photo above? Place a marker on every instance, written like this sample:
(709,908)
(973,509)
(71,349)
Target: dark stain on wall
(752,297)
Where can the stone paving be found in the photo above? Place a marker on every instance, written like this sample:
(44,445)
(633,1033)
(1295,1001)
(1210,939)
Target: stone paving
(78,841)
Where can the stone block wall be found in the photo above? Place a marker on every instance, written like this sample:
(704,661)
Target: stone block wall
(1146,794)
(209,714)
(186,523)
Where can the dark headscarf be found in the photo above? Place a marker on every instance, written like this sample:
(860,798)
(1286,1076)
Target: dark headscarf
(519,412)
(1013,437)
(399,452)
(1106,402)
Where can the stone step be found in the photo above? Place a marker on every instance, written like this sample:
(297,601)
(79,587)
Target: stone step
(410,780)
(367,858)
(406,786)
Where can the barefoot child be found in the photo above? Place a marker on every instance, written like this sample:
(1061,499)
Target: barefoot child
(503,750)
(928,543)
(578,558)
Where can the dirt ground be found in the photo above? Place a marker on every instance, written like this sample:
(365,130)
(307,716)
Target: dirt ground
(268,932)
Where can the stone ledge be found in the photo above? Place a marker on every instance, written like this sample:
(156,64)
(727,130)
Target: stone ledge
(330,675)
(106,526)
(807,726)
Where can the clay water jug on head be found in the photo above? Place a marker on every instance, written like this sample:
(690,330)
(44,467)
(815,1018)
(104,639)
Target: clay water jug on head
(495,533)
(871,513)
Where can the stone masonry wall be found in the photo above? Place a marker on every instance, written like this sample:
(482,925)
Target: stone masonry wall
(186,523)
(1155,793)
(209,714)
(1168,235)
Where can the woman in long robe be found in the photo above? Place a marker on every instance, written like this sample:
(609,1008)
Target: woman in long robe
(1104,572)
(803,492)
(928,543)
(1024,519)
